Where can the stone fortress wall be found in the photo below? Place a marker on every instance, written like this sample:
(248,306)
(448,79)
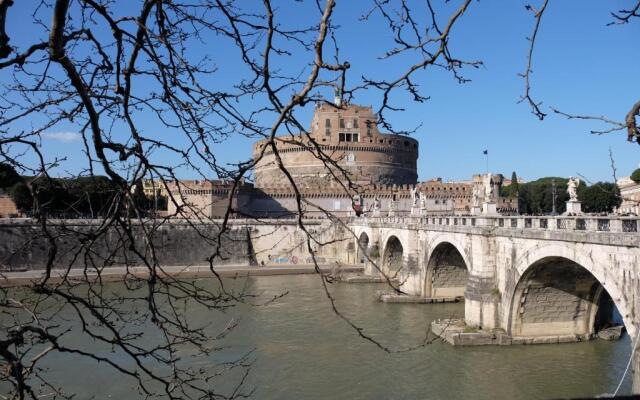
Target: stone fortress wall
(381,167)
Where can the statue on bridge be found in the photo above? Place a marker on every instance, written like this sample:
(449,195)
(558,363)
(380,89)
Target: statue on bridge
(489,205)
(574,207)
(475,196)
(414,196)
(488,188)
(423,201)
(376,205)
(572,188)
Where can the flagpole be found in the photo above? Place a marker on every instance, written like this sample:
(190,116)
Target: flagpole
(486,153)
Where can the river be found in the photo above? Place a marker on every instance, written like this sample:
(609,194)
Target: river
(303,351)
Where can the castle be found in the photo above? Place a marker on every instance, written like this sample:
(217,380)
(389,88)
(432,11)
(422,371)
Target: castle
(344,166)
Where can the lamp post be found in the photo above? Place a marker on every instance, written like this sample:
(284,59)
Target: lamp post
(553,197)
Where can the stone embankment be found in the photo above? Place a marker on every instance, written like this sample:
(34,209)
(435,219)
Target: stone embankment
(113,274)
(457,333)
(391,297)
(25,245)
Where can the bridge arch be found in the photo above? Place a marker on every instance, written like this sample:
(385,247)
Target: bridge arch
(447,272)
(562,291)
(460,242)
(393,255)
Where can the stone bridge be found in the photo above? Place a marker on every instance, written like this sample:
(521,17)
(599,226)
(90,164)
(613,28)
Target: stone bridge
(538,279)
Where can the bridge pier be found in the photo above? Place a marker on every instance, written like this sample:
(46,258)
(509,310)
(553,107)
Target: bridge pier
(481,303)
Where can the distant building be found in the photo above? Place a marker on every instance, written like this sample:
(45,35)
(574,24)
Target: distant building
(507,182)
(630,194)
(380,166)
(8,208)
(207,198)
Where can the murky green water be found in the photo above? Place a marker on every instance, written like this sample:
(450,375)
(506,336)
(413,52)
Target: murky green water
(303,351)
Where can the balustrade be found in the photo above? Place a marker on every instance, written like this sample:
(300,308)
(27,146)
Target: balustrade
(629,225)
(603,225)
(564,223)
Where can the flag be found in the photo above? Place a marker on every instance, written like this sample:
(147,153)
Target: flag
(485,152)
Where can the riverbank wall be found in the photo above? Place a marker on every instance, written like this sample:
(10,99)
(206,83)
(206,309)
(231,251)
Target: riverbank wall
(25,244)
(28,245)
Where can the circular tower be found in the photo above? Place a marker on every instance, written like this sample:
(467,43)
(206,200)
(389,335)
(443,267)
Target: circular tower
(349,136)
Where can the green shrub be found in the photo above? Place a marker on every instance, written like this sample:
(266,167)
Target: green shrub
(8,176)
(635,176)
(21,195)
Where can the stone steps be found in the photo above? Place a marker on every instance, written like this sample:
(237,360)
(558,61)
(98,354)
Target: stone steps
(368,279)
(387,297)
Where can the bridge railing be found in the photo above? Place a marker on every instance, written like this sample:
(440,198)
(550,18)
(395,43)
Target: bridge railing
(587,223)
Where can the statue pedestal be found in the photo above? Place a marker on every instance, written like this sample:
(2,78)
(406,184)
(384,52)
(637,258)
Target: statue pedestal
(393,206)
(573,208)
(423,211)
(415,211)
(489,209)
(376,212)
(476,210)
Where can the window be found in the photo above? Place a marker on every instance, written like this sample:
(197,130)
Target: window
(341,123)
(348,137)
(368,128)
(355,123)
(327,123)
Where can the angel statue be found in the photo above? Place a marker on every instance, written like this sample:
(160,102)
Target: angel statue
(572,188)
(376,204)
(414,196)
(488,188)
(475,195)
(423,200)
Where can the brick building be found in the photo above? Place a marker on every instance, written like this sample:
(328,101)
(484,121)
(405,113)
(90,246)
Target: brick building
(8,208)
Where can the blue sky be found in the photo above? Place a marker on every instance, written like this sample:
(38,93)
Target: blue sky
(580,66)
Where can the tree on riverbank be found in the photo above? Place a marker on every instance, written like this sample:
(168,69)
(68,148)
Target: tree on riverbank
(536,197)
